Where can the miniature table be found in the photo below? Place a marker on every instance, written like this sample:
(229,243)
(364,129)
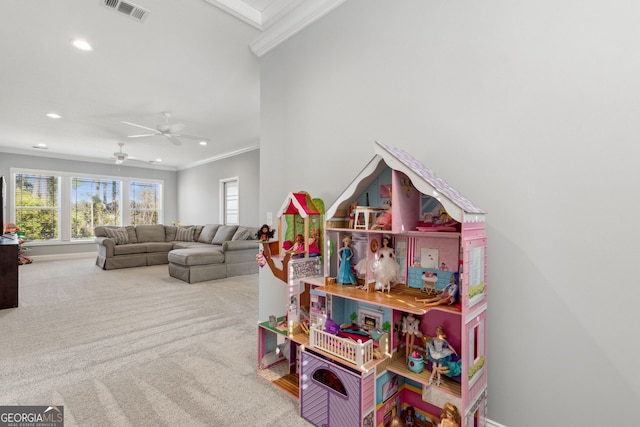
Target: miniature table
(369,215)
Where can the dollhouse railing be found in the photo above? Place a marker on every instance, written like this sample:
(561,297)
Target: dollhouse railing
(352,351)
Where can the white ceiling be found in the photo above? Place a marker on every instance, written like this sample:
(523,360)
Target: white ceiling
(197,59)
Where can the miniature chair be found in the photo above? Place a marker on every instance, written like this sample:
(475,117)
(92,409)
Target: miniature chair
(429,283)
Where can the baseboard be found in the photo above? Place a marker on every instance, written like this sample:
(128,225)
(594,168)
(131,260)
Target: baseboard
(58,257)
(493,424)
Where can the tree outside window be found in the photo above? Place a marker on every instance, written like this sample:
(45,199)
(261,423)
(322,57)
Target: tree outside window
(37,206)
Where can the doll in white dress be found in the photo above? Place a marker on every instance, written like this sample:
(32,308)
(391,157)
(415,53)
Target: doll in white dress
(411,330)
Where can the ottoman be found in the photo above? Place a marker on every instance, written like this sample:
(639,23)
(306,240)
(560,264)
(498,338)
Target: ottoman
(198,264)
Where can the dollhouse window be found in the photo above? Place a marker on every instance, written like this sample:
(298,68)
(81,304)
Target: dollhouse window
(329,379)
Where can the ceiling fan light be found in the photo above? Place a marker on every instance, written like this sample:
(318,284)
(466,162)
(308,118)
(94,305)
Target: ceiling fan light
(119,161)
(54,116)
(203,143)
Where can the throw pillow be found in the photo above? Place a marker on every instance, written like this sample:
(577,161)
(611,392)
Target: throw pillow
(224,234)
(119,235)
(208,232)
(185,234)
(243,233)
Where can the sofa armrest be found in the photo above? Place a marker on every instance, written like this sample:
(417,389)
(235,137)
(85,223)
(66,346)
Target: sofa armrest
(105,246)
(237,245)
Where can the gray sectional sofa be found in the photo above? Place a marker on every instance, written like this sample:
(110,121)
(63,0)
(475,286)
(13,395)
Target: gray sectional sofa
(194,253)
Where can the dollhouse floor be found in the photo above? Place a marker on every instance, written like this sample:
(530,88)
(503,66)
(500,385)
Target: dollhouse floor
(401,297)
(279,375)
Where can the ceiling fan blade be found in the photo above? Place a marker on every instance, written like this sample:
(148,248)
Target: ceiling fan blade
(142,134)
(142,127)
(171,138)
(199,138)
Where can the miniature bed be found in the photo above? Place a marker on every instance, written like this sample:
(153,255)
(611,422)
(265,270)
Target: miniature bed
(352,347)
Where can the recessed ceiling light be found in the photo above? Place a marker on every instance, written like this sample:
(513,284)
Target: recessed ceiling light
(203,143)
(158,160)
(54,116)
(40,146)
(82,45)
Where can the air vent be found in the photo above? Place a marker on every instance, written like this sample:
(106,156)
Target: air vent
(127,8)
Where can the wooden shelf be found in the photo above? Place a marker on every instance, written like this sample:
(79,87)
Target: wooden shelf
(401,298)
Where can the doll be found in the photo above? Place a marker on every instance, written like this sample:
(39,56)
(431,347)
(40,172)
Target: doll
(383,222)
(439,352)
(298,244)
(450,416)
(345,271)
(385,268)
(314,242)
(410,329)
(265,233)
(410,417)
(449,295)
(352,214)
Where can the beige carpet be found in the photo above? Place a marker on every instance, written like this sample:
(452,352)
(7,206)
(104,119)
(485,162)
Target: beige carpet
(135,347)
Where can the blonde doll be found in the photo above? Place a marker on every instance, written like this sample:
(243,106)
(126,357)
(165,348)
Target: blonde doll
(450,416)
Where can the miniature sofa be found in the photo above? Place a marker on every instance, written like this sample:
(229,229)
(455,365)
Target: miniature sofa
(194,253)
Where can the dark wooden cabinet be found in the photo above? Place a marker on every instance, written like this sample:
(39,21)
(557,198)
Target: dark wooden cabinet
(8,273)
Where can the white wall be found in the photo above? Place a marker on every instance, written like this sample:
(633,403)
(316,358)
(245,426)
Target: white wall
(531,110)
(199,194)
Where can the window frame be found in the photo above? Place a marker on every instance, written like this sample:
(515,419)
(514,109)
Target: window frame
(224,200)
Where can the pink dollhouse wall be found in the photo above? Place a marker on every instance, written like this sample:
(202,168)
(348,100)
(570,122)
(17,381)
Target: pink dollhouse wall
(405,203)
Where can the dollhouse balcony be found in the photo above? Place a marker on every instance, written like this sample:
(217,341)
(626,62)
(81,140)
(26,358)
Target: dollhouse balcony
(357,352)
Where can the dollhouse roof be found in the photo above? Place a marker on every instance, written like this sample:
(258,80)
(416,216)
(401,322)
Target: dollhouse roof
(298,203)
(457,206)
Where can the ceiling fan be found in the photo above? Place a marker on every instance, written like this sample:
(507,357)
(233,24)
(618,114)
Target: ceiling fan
(171,132)
(119,155)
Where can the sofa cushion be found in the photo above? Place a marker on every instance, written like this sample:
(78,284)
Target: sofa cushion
(170,233)
(196,233)
(185,245)
(224,233)
(131,229)
(150,233)
(196,256)
(242,233)
(153,247)
(185,234)
(208,232)
(132,248)
(119,235)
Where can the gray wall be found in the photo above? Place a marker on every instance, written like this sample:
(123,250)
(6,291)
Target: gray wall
(199,189)
(530,109)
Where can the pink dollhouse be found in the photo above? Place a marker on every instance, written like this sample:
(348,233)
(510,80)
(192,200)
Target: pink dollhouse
(354,358)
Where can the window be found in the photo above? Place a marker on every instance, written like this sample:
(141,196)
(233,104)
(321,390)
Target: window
(145,203)
(37,205)
(93,202)
(56,206)
(229,197)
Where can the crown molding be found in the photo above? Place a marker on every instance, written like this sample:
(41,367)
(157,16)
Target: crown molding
(220,157)
(291,23)
(240,10)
